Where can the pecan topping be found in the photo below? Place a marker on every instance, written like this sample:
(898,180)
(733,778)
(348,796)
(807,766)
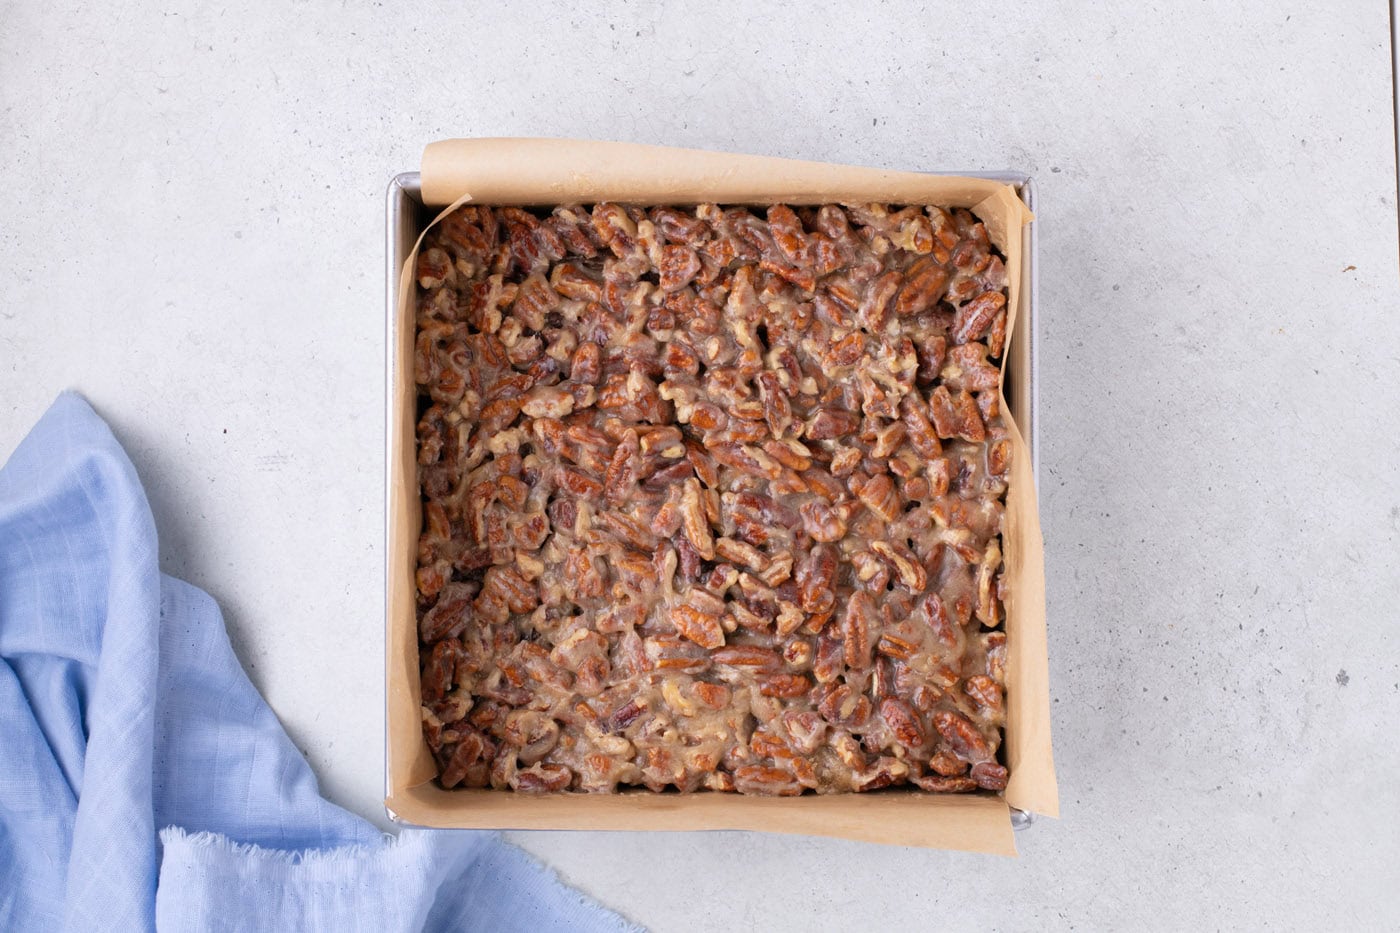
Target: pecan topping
(712,499)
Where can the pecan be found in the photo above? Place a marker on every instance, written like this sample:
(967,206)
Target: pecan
(777,410)
(885,772)
(789,686)
(995,646)
(547,402)
(790,618)
(742,553)
(615,229)
(667,442)
(989,775)
(625,715)
(996,335)
(956,415)
(967,368)
(745,459)
(707,417)
(698,625)
(586,364)
(887,441)
(856,626)
(804,730)
(759,779)
(668,653)
(829,660)
(985,692)
(920,433)
(541,779)
(688,559)
(822,522)
(814,579)
(448,616)
(431,578)
(940,784)
(930,354)
(694,522)
(999,457)
(939,477)
(878,493)
(843,706)
(434,266)
(834,309)
(798,653)
(923,286)
(438,671)
(947,764)
(747,656)
(519,594)
(667,520)
(791,454)
(534,733)
(974,317)
(768,745)
(848,750)
(986,596)
(827,424)
(908,570)
(470,749)
(875,306)
(903,722)
(679,265)
(788,235)
(678,227)
(846,351)
(896,647)
(715,696)
(844,462)
(581,576)
(961,735)
(621,475)
(826,484)
(585,487)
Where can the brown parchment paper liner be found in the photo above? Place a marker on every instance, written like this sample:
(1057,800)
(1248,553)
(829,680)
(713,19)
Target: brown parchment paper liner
(549,172)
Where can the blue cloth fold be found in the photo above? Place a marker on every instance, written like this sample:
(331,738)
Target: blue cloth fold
(124,714)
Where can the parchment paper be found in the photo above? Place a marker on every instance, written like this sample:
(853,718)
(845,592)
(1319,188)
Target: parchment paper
(548,172)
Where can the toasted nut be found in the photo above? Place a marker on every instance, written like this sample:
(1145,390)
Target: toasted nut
(700,627)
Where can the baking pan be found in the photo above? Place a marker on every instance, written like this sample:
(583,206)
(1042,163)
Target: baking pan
(407,216)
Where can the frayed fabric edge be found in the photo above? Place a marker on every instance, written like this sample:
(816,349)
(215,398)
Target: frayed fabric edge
(584,901)
(442,851)
(177,837)
(457,848)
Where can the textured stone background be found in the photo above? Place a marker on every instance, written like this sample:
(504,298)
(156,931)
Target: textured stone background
(192,236)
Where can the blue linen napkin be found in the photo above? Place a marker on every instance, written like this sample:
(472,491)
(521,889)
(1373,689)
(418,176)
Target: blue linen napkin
(124,712)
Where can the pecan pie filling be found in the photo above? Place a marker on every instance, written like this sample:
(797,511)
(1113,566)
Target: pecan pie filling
(712,499)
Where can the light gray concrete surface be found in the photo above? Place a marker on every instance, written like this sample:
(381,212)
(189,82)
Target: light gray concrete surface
(191,234)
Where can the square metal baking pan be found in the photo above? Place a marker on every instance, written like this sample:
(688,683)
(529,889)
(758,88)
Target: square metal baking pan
(407,216)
